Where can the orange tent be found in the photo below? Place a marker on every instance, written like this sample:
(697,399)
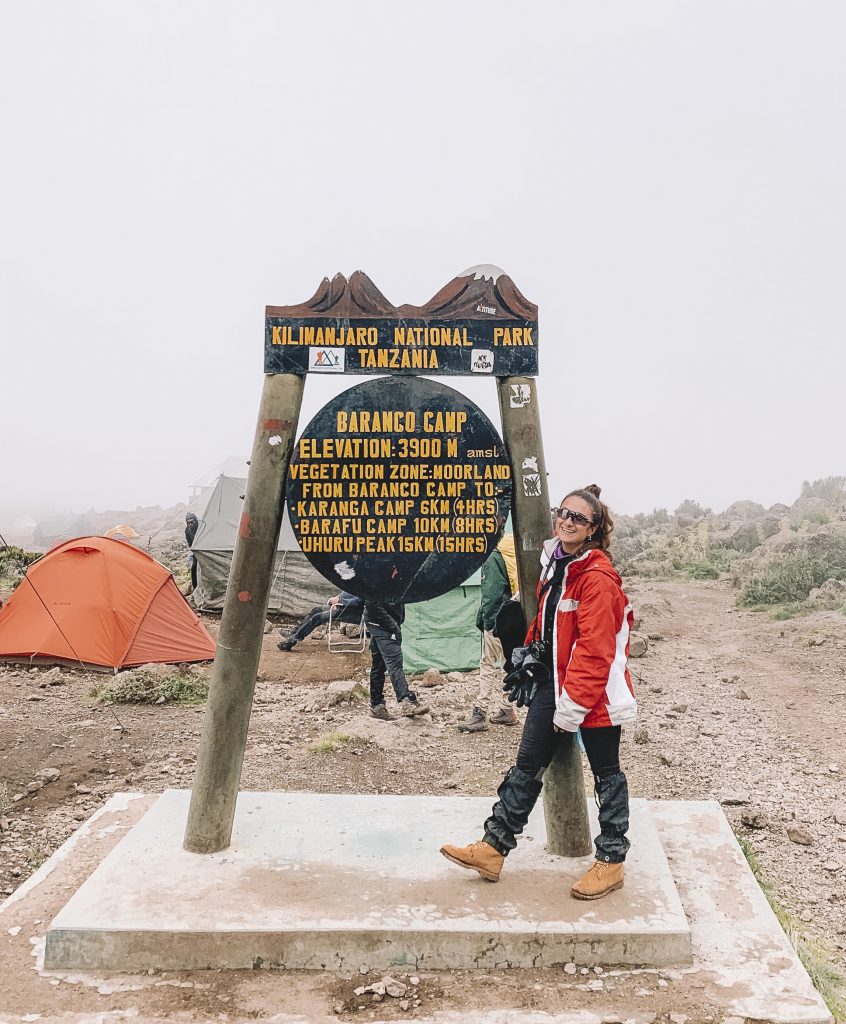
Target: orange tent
(100,602)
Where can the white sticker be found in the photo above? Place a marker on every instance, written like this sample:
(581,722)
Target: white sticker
(531,485)
(344,570)
(326,360)
(521,395)
(481,360)
(275,440)
(530,463)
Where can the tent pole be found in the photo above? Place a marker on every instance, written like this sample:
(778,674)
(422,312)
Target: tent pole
(565,806)
(221,754)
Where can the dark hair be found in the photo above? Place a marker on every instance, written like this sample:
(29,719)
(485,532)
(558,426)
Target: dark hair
(602,521)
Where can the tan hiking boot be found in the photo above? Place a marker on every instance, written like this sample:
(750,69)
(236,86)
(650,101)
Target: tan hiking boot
(601,879)
(474,722)
(481,857)
(504,716)
(410,708)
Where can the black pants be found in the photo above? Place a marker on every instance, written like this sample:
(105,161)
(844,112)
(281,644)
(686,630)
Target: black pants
(319,617)
(193,572)
(522,784)
(386,656)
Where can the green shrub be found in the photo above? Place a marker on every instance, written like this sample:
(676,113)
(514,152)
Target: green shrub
(13,565)
(829,488)
(789,578)
(142,686)
(703,571)
(330,744)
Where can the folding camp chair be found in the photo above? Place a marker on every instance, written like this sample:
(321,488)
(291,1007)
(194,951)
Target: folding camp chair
(340,644)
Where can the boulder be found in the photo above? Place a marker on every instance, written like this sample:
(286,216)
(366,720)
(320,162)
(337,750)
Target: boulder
(432,677)
(800,836)
(638,646)
(344,691)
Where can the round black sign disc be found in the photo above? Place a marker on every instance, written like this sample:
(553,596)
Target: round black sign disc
(399,489)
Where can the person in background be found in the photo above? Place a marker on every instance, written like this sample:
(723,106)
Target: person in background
(571,674)
(497,588)
(384,621)
(191,526)
(343,607)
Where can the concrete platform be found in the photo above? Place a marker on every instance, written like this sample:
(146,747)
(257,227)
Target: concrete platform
(315,881)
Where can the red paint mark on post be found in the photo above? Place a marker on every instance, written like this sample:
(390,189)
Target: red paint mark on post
(277,425)
(244,596)
(244,526)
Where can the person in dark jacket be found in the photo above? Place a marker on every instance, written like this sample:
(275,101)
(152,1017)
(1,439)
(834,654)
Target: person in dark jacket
(384,620)
(343,607)
(191,526)
(495,591)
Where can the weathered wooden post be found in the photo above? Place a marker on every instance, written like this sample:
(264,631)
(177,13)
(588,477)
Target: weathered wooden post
(565,808)
(224,738)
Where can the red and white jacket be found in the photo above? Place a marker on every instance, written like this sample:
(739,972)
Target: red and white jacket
(590,642)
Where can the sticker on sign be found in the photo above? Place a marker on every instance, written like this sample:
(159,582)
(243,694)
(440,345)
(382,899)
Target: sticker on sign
(326,360)
(481,360)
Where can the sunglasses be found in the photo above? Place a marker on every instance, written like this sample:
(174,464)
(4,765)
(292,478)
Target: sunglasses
(567,513)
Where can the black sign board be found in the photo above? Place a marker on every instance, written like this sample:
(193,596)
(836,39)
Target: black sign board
(479,323)
(399,489)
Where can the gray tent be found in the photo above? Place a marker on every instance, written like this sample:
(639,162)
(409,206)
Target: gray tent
(440,633)
(296,586)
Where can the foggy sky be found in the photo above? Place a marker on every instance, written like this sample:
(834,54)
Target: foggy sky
(665,180)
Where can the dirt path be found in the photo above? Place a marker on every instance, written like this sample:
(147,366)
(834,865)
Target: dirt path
(733,706)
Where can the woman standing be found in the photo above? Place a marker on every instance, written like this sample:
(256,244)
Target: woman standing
(580,637)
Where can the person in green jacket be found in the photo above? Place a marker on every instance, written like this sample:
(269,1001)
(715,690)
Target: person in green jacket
(496,590)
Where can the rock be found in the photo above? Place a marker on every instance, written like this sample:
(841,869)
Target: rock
(641,735)
(432,677)
(33,787)
(840,817)
(414,980)
(800,836)
(735,799)
(670,760)
(679,1018)
(679,708)
(268,627)
(832,866)
(570,968)
(595,985)
(638,646)
(654,636)
(455,677)
(404,1004)
(395,989)
(754,819)
(742,695)
(48,774)
(342,691)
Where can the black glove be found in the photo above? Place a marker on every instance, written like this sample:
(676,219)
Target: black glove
(529,673)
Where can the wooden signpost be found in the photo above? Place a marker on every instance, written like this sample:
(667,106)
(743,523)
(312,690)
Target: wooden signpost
(399,488)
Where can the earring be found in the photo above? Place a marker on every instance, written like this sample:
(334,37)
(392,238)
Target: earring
(589,537)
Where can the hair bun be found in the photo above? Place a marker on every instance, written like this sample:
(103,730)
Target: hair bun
(594,489)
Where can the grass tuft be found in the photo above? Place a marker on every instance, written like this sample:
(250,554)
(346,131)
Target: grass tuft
(330,744)
(142,686)
(828,980)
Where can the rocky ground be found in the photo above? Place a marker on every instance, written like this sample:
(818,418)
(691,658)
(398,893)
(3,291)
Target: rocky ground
(734,707)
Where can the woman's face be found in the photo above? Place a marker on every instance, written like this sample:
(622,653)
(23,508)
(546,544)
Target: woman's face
(573,532)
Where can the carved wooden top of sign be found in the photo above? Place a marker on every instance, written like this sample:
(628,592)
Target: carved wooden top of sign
(479,323)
